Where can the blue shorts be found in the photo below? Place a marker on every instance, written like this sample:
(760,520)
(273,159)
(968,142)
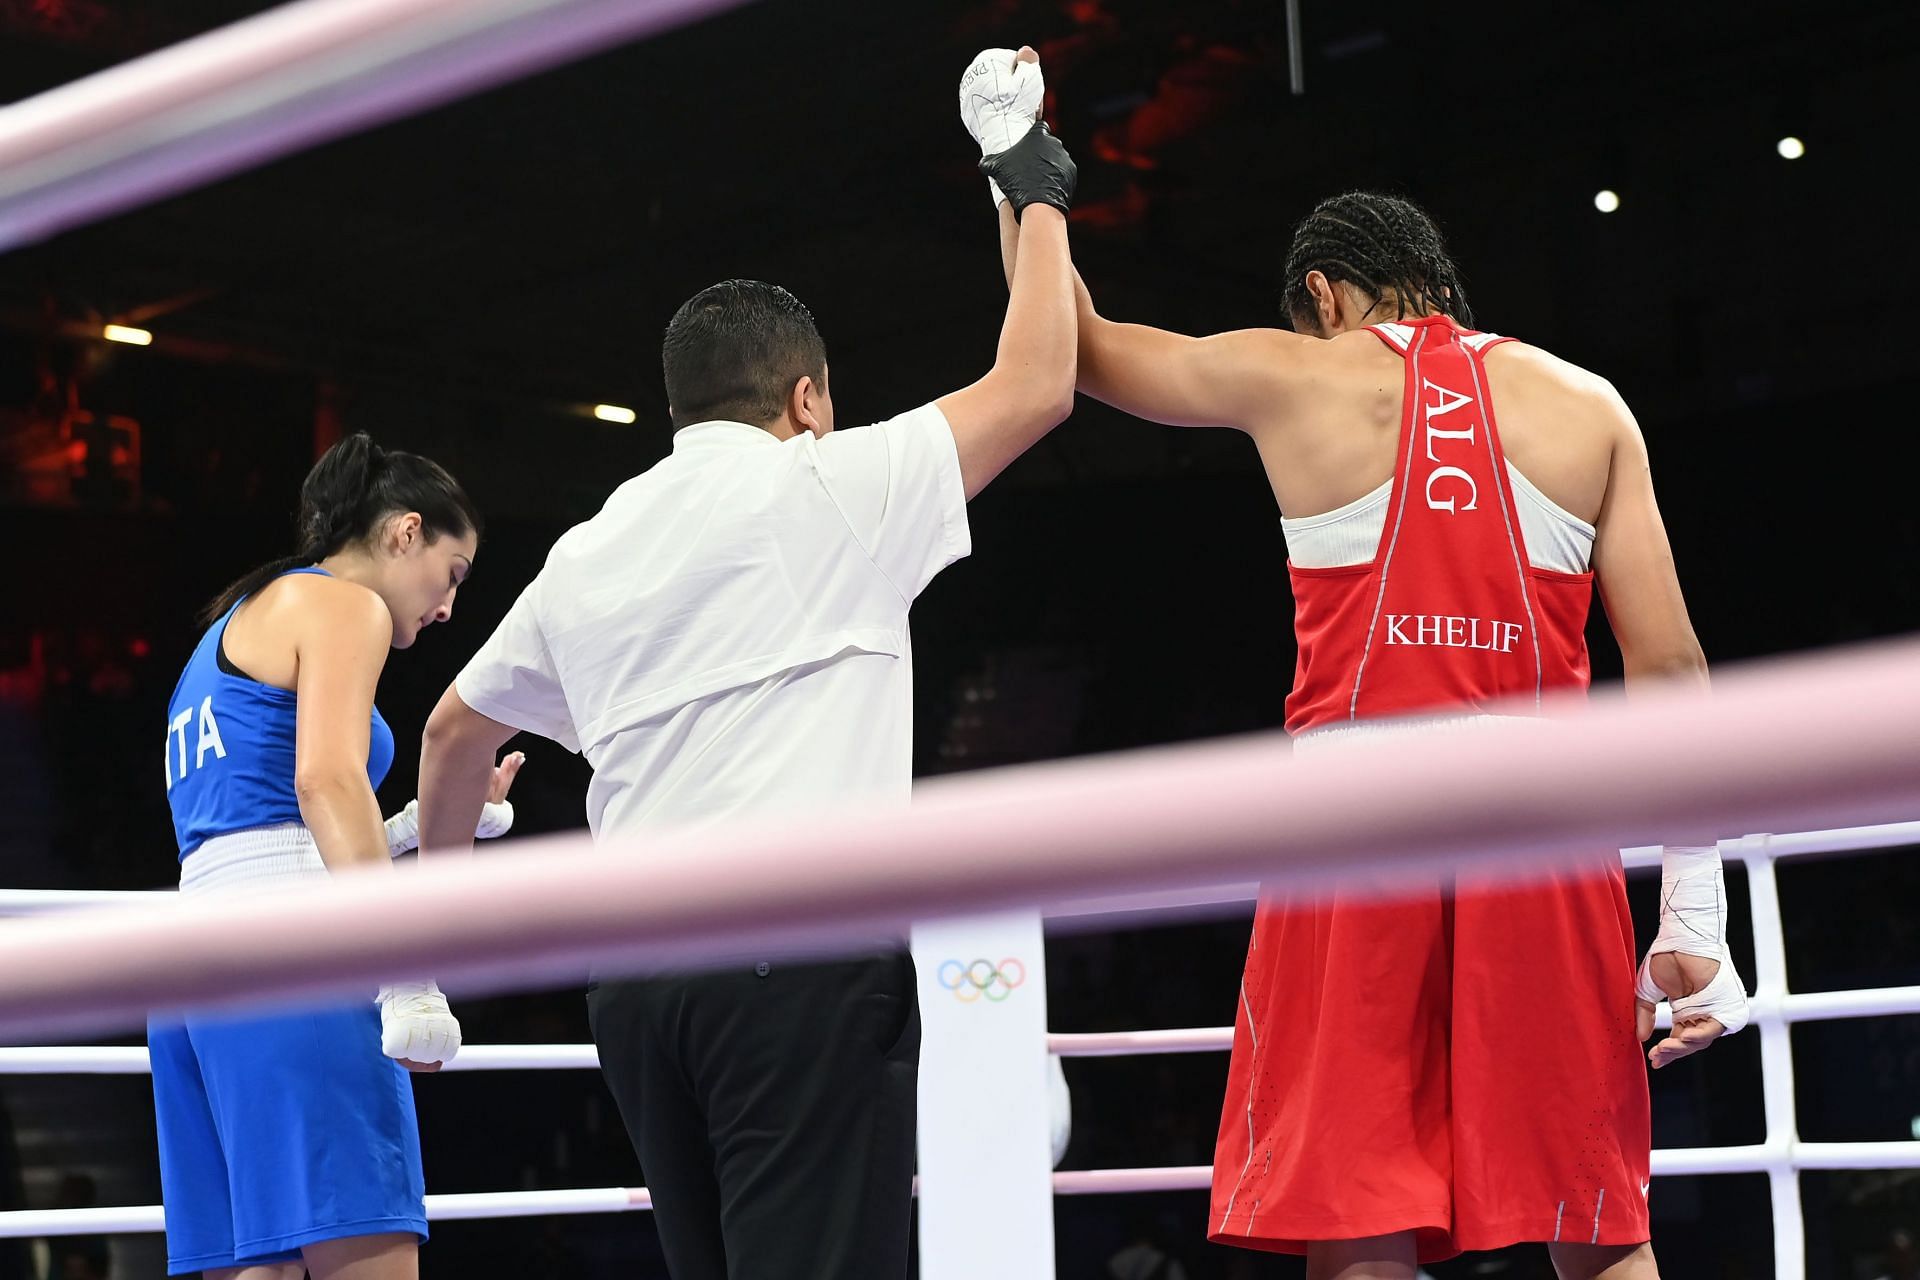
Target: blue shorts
(279,1132)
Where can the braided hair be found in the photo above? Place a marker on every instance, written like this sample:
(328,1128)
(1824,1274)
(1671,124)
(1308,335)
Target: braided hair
(1380,244)
(349,493)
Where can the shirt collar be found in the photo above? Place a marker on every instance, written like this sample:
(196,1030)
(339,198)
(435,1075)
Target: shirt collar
(721,434)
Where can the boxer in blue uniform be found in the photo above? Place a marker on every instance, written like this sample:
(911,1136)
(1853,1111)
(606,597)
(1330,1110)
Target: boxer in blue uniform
(288,1143)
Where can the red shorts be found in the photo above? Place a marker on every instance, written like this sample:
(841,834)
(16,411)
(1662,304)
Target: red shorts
(1461,1064)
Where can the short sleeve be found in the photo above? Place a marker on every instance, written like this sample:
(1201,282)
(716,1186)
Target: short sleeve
(513,678)
(898,484)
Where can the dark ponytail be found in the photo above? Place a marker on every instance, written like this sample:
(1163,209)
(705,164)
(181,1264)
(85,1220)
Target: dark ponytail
(350,492)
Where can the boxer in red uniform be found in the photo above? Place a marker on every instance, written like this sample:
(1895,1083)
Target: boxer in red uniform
(1456,1068)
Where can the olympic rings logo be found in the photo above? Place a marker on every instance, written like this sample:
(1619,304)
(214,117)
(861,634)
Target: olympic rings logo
(982,979)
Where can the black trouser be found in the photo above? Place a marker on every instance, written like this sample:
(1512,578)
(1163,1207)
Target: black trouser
(773,1113)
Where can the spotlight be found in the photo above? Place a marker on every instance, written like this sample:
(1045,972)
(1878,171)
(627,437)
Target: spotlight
(614,413)
(1607,201)
(1790,148)
(122,333)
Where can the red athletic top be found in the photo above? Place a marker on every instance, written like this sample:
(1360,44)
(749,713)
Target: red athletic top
(1449,615)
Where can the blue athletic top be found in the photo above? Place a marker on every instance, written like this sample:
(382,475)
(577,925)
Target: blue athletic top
(230,747)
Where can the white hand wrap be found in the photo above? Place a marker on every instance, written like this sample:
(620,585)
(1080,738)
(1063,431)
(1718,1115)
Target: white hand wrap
(403,828)
(416,1024)
(1693,922)
(1000,98)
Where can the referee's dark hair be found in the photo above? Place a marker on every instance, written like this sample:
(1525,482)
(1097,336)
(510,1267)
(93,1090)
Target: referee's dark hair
(734,351)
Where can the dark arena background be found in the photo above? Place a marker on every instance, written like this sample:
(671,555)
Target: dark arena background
(1711,206)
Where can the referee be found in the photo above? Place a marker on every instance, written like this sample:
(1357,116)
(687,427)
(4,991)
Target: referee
(728,637)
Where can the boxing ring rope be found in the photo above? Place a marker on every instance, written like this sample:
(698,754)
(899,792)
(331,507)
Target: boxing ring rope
(1782,1156)
(288,78)
(1795,742)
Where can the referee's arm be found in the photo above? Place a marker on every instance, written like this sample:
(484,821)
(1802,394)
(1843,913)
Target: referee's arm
(1029,390)
(457,752)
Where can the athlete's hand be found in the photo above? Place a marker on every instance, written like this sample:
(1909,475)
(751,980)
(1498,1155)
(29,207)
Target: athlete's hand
(503,776)
(1679,977)
(1001,94)
(496,816)
(417,1029)
(1688,962)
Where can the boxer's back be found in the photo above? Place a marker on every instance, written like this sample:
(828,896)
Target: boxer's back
(1336,442)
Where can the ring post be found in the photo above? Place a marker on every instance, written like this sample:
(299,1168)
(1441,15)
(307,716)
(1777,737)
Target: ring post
(986,1184)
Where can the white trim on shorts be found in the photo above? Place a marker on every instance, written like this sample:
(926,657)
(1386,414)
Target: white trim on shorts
(253,861)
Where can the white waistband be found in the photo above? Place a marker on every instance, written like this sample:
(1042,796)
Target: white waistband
(252,861)
(1346,733)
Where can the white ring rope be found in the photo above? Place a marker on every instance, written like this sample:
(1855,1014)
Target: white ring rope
(1775,1158)
(1800,742)
(131,1060)
(1147,907)
(1677,1162)
(273,83)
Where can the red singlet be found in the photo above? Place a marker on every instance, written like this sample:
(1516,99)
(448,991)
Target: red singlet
(1460,1061)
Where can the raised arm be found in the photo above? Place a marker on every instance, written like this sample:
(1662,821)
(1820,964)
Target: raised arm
(1029,390)
(1244,379)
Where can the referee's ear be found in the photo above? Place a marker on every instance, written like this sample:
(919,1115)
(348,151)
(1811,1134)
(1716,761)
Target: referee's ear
(809,407)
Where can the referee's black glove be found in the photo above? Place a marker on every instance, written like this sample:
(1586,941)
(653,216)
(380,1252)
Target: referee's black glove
(1034,170)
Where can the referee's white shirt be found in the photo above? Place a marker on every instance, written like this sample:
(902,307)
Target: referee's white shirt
(729,635)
